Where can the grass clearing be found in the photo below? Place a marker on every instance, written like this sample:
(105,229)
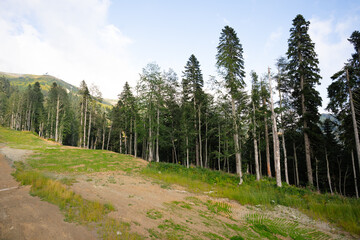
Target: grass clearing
(50,160)
(52,157)
(74,207)
(343,212)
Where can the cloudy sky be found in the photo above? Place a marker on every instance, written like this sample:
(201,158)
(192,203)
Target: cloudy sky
(109,42)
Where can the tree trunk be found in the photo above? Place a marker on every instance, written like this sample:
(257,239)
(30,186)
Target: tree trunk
(260,167)
(196,138)
(157,136)
(96,138)
(125,144)
(150,157)
(296,166)
(227,157)
(345,177)
(57,119)
(174,149)
(255,147)
(285,158)
(328,170)
(275,137)
(206,142)
(103,138)
(268,166)
(236,141)
(89,130)
(187,152)
(81,124)
(131,136)
(339,166)
(283,140)
(120,141)
(317,174)
(219,150)
(354,170)
(306,136)
(356,133)
(200,139)
(108,142)
(85,113)
(135,138)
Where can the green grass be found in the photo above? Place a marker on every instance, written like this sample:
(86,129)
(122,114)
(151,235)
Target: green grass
(344,212)
(50,158)
(153,214)
(74,206)
(219,207)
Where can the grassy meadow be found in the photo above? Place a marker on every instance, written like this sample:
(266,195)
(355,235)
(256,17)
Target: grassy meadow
(49,159)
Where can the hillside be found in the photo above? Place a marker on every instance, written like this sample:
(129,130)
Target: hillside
(23,80)
(127,198)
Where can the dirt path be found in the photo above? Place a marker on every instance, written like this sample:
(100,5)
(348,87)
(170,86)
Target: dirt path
(25,217)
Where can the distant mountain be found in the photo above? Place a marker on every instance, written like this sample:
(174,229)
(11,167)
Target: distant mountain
(22,81)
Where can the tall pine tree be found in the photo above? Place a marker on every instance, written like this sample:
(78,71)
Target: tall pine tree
(230,63)
(304,75)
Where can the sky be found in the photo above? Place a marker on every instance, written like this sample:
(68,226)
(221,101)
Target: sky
(107,43)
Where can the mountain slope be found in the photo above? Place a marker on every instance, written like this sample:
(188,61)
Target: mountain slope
(22,81)
(145,204)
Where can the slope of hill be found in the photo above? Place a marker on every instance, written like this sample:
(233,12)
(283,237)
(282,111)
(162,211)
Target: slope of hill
(128,198)
(23,80)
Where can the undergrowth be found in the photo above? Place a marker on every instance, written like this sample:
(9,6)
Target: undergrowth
(344,212)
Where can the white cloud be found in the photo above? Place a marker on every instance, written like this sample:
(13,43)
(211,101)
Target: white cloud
(69,39)
(273,39)
(331,45)
(227,22)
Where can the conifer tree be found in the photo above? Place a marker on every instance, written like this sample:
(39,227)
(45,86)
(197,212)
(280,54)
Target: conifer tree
(38,103)
(304,76)
(193,94)
(230,64)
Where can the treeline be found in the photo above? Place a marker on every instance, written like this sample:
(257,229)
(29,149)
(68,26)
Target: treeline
(226,128)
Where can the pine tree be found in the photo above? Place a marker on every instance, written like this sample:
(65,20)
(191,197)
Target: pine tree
(4,99)
(38,109)
(192,87)
(355,40)
(230,64)
(304,75)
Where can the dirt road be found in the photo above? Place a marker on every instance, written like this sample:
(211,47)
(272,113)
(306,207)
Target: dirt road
(25,217)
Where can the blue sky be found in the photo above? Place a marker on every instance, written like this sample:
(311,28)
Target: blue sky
(108,42)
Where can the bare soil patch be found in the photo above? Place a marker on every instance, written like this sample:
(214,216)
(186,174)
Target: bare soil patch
(25,217)
(148,204)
